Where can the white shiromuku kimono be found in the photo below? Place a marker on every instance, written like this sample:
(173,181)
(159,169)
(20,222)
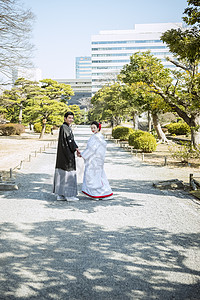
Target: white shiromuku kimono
(95,182)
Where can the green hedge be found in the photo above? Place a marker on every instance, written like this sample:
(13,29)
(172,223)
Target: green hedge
(11,129)
(38,128)
(134,136)
(179,128)
(122,133)
(143,141)
(146,142)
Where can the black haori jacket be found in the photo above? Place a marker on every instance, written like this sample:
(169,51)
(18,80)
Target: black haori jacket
(66,147)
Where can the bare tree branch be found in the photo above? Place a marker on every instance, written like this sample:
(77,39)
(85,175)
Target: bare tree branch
(15,34)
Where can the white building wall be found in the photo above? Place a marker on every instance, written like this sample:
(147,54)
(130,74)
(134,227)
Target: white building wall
(111,49)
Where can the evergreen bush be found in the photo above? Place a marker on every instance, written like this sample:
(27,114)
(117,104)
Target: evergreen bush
(11,129)
(143,141)
(180,128)
(38,128)
(146,142)
(134,136)
(122,133)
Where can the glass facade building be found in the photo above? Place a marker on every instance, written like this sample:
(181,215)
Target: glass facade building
(83,67)
(82,91)
(111,49)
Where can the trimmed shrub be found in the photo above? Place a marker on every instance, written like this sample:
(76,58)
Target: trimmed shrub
(143,141)
(11,129)
(122,133)
(133,136)
(146,143)
(48,128)
(38,128)
(179,128)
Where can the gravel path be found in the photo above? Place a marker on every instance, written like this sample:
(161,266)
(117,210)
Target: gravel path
(143,244)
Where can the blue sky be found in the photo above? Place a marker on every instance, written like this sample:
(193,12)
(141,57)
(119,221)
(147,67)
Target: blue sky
(63,28)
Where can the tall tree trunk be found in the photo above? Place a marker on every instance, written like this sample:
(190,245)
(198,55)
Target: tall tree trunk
(43,131)
(20,113)
(118,120)
(195,132)
(149,121)
(135,120)
(157,126)
(43,128)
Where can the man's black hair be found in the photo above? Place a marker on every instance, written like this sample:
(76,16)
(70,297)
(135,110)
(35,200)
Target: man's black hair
(69,113)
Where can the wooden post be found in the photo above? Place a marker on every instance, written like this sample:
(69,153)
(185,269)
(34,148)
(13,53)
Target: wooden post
(10,172)
(165,160)
(21,164)
(35,153)
(191,178)
(192,184)
(143,156)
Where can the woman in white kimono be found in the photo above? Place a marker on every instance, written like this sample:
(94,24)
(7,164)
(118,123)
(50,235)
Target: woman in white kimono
(95,182)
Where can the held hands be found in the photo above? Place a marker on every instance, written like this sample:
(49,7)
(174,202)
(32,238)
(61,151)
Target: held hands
(78,152)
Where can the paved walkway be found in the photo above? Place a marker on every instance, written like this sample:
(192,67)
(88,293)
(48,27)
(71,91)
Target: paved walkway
(143,244)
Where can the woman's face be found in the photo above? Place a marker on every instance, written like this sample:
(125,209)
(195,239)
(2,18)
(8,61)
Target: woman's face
(94,128)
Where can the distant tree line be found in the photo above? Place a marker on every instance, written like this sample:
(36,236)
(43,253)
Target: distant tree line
(32,102)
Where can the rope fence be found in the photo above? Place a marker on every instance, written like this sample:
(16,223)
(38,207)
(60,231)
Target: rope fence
(8,175)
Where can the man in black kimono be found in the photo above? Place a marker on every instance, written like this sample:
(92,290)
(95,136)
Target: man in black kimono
(65,181)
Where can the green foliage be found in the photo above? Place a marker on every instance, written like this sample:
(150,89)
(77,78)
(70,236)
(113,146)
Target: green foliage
(122,133)
(38,127)
(146,142)
(180,90)
(179,128)
(192,12)
(184,152)
(134,136)
(143,141)
(56,91)
(77,113)
(185,43)
(11,129)
(108,104)
(28,102)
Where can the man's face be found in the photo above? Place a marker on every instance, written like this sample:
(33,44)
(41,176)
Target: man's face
(69,119)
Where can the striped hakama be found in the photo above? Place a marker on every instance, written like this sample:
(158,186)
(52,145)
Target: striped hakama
(65,183)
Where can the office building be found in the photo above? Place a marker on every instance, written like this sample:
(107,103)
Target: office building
(82,91)
(83,67)
(111,49)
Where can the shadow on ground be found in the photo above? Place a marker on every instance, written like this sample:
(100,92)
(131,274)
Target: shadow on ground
(73,259)
(38,186)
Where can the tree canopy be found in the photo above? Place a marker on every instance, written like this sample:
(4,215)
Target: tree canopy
(44,102)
